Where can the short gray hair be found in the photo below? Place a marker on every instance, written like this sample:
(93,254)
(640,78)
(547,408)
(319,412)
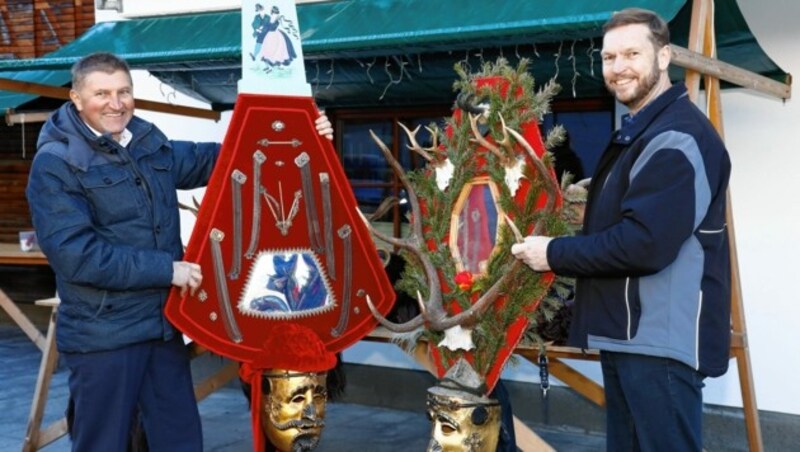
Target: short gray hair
(97,62)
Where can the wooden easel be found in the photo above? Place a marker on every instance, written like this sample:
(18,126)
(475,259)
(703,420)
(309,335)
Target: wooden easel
(702,39)
(35,437)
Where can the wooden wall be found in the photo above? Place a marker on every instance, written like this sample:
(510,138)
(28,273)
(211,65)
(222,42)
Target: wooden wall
(32,28)
(16,152)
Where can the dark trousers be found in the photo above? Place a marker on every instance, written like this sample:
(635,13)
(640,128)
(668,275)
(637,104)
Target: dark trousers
(107,387)
(652,404)
(507,442)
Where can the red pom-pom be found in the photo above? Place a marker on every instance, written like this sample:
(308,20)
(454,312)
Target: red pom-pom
(294,347)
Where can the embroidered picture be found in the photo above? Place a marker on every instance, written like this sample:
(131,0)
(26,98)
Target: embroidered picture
(286,285)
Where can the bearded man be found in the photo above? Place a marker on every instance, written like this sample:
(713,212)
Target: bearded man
(652,262)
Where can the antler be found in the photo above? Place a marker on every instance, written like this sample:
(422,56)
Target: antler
(382,208)
(415,146)
(505,143)
(432,308)
(551,186)
(470,316)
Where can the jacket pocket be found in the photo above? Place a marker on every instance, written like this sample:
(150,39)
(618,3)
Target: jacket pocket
(161,165)
(614,308)
(712,236)
(111,194)
(127,307)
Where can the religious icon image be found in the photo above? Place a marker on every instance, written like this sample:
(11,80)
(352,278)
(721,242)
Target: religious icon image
(475,220)
(286,285)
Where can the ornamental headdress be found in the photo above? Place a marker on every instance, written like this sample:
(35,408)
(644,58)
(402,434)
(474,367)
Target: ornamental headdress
(291,347)
(488,181)
(288,263)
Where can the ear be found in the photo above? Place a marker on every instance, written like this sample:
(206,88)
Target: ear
(664,57)
(76,99)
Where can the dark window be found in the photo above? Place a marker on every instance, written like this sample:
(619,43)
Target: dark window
(589,123)
(371,178)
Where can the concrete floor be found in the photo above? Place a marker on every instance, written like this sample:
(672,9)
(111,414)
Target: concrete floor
(225,416)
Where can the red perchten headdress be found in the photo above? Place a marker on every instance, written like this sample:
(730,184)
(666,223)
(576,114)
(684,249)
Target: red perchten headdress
(290,347)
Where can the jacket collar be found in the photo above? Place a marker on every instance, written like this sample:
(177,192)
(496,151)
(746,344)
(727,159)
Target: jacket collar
(84,147)
(633,126)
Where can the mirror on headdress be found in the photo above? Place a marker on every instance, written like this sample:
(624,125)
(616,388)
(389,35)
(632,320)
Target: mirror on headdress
(474,225)
(286,285)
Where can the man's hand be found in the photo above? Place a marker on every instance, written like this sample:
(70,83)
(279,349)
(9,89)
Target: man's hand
(186,275)
(533,251)
(324,126)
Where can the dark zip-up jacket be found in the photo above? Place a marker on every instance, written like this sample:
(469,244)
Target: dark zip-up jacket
(653,261)
(106,217)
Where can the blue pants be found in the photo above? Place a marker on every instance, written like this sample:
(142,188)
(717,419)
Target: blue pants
(107,387)
(652,404)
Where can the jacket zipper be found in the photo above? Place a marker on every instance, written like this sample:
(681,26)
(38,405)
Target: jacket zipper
(628,308)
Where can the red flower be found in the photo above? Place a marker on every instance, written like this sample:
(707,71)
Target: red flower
(464,280)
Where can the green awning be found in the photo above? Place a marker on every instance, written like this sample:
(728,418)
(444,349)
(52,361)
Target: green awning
(9,99)
(394,52)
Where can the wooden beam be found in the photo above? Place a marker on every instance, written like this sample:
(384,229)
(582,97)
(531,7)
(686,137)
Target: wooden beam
(701,10)
(227,373)
(741,350)
(12,117)
(23,321)
(46,368)
(687,59)
(52,432)
(57,92)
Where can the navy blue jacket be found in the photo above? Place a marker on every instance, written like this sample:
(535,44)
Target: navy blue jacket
(653,261)
(107,218)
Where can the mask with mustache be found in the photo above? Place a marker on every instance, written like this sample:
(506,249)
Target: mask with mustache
(295,409)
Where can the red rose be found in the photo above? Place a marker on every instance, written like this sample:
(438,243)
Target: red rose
(464,280)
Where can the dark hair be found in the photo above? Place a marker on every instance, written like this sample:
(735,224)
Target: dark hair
(97,62)
(275,10)
(659,31)
(259,7)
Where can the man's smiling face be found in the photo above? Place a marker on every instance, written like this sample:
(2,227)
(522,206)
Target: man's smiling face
(105,101)
(632,66)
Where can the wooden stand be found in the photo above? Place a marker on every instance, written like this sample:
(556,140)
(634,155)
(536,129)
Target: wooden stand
(702,39)
(35,437)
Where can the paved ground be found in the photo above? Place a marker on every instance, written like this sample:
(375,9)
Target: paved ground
(225,416)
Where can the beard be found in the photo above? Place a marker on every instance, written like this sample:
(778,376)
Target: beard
(304,443)
(645,86)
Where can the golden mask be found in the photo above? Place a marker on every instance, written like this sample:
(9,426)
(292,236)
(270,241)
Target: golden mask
(462,421)
(294,409)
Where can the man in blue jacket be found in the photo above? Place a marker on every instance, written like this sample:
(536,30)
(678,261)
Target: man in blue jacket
(102,192)
(653,291)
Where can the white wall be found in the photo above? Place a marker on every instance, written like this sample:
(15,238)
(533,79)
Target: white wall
(762,137)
